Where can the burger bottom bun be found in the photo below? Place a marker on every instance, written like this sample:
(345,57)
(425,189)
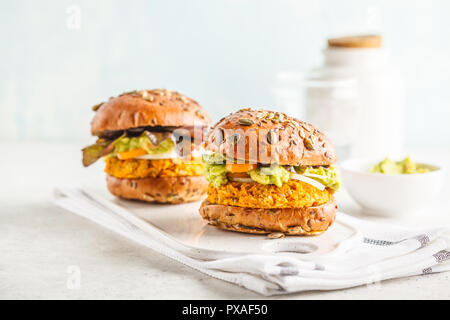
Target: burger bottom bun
(291,221)
(161,190)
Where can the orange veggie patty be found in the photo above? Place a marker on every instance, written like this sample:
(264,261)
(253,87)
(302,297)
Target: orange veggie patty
(142,168)
(293,194)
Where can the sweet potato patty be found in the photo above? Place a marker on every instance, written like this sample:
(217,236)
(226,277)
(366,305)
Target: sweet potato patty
(139,168)
(293,194)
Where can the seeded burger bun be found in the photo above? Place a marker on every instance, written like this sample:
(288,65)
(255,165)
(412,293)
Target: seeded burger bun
(160,111)
(162,189)
(290,221)
(286,141)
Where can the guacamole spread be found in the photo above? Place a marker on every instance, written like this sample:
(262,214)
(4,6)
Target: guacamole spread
(273,174)
(328,175)
(143,141)
(151,142)
(406,166)
(216,174)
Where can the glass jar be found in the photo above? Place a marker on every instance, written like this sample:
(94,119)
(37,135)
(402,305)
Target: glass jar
(380,86)
(356,98)
(332,105)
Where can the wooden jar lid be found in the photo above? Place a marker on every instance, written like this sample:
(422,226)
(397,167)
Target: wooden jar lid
(363,41)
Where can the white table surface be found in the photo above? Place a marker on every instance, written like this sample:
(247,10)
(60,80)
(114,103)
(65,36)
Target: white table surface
(39,242)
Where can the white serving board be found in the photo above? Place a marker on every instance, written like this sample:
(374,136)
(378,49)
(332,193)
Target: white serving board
(184,223)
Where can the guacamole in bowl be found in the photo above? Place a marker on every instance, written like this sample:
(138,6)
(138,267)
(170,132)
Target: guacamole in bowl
(406,166)
(392,188)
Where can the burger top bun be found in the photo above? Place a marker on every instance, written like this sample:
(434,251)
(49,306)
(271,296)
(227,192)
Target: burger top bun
(261,136)
(157,107)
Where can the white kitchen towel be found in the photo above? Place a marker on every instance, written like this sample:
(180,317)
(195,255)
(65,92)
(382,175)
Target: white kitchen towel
(376,252)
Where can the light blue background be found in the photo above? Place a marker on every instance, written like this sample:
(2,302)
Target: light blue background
(224,54)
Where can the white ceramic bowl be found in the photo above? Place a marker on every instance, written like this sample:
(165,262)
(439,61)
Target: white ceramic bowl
(391,195)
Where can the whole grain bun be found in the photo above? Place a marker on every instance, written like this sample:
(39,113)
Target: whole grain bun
(157,107)
(262,136)
(290,221)
(162,190)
